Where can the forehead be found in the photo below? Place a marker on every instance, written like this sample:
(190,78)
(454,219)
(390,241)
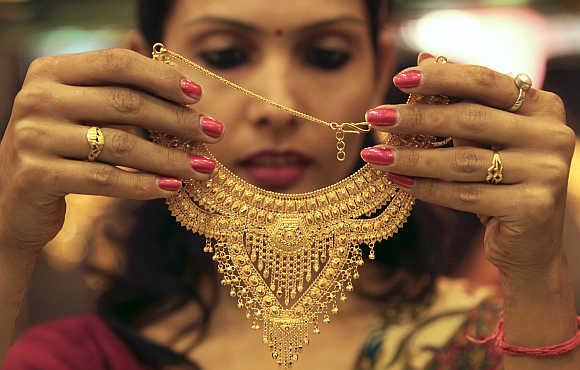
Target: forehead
(269,14)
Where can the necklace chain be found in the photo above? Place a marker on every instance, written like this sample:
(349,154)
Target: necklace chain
(160,52)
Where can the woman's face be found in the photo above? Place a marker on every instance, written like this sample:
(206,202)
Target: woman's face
(313,55)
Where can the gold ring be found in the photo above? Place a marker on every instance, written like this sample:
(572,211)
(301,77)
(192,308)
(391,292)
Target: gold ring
(96,140)
(524,84)
(495,172)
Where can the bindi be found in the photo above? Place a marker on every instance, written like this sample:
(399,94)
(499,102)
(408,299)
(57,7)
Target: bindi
(279,32)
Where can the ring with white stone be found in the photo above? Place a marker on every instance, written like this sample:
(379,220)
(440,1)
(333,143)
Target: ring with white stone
(524,84)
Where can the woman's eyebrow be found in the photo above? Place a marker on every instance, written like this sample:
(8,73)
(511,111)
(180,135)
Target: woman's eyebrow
(333,21)
(223,21)
(249,27)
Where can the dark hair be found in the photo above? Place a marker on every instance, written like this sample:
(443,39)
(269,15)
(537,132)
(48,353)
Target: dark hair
(164,265)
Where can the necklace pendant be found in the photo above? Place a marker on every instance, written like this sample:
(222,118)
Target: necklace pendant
(289,260)
(286,337)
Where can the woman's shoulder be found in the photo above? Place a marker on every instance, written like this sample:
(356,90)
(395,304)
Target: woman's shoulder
(78,342)
(432,337)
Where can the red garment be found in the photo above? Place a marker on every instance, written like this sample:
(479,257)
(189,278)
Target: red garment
(77,343)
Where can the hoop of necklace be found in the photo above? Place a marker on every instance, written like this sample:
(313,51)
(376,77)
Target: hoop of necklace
(289,260)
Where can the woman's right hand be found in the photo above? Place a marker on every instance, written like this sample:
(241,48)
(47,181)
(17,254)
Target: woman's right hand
(44,150)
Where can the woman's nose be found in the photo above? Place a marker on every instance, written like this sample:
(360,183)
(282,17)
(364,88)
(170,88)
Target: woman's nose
(274,82)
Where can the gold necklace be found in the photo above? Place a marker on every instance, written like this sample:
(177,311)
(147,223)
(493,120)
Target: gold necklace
(290,259)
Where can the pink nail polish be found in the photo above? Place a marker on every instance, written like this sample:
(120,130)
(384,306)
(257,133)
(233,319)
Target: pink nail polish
(423,56)
(212,127)
(383,116)
(403,181)
(191,89)
(408,80)
(202,164)
(168,184)
(379,156)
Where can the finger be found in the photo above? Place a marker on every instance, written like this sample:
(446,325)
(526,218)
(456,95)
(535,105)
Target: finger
(468,82)
(94,178)
(463,120)
(458,142)
(449,164)
(125,149)
(136,108)
(483,199)
(119,67)
(425,58)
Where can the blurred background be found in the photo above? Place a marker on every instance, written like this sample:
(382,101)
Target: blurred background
(539,37)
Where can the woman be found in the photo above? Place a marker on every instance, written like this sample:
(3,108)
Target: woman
(295,53)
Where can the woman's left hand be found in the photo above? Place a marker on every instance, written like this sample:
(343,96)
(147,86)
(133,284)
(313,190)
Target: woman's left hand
(523,215)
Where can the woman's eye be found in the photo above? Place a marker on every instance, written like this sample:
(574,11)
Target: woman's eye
(325,58)
(225,58)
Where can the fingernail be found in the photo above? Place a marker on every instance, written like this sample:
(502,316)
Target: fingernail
(191,89)
(212,127)
(403,181)
(202,164)
(423,56)
(382,116)
(168,184)
(408,79)
(380,156)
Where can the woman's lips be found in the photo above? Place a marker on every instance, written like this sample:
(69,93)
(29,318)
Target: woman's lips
(274,169)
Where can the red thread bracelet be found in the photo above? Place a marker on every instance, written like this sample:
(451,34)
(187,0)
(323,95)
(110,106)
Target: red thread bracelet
(497,338)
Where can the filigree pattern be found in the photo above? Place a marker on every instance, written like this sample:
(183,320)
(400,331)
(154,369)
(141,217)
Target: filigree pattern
(289,260)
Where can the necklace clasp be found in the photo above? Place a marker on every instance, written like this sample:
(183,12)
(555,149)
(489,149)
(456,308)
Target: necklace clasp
(352,127)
